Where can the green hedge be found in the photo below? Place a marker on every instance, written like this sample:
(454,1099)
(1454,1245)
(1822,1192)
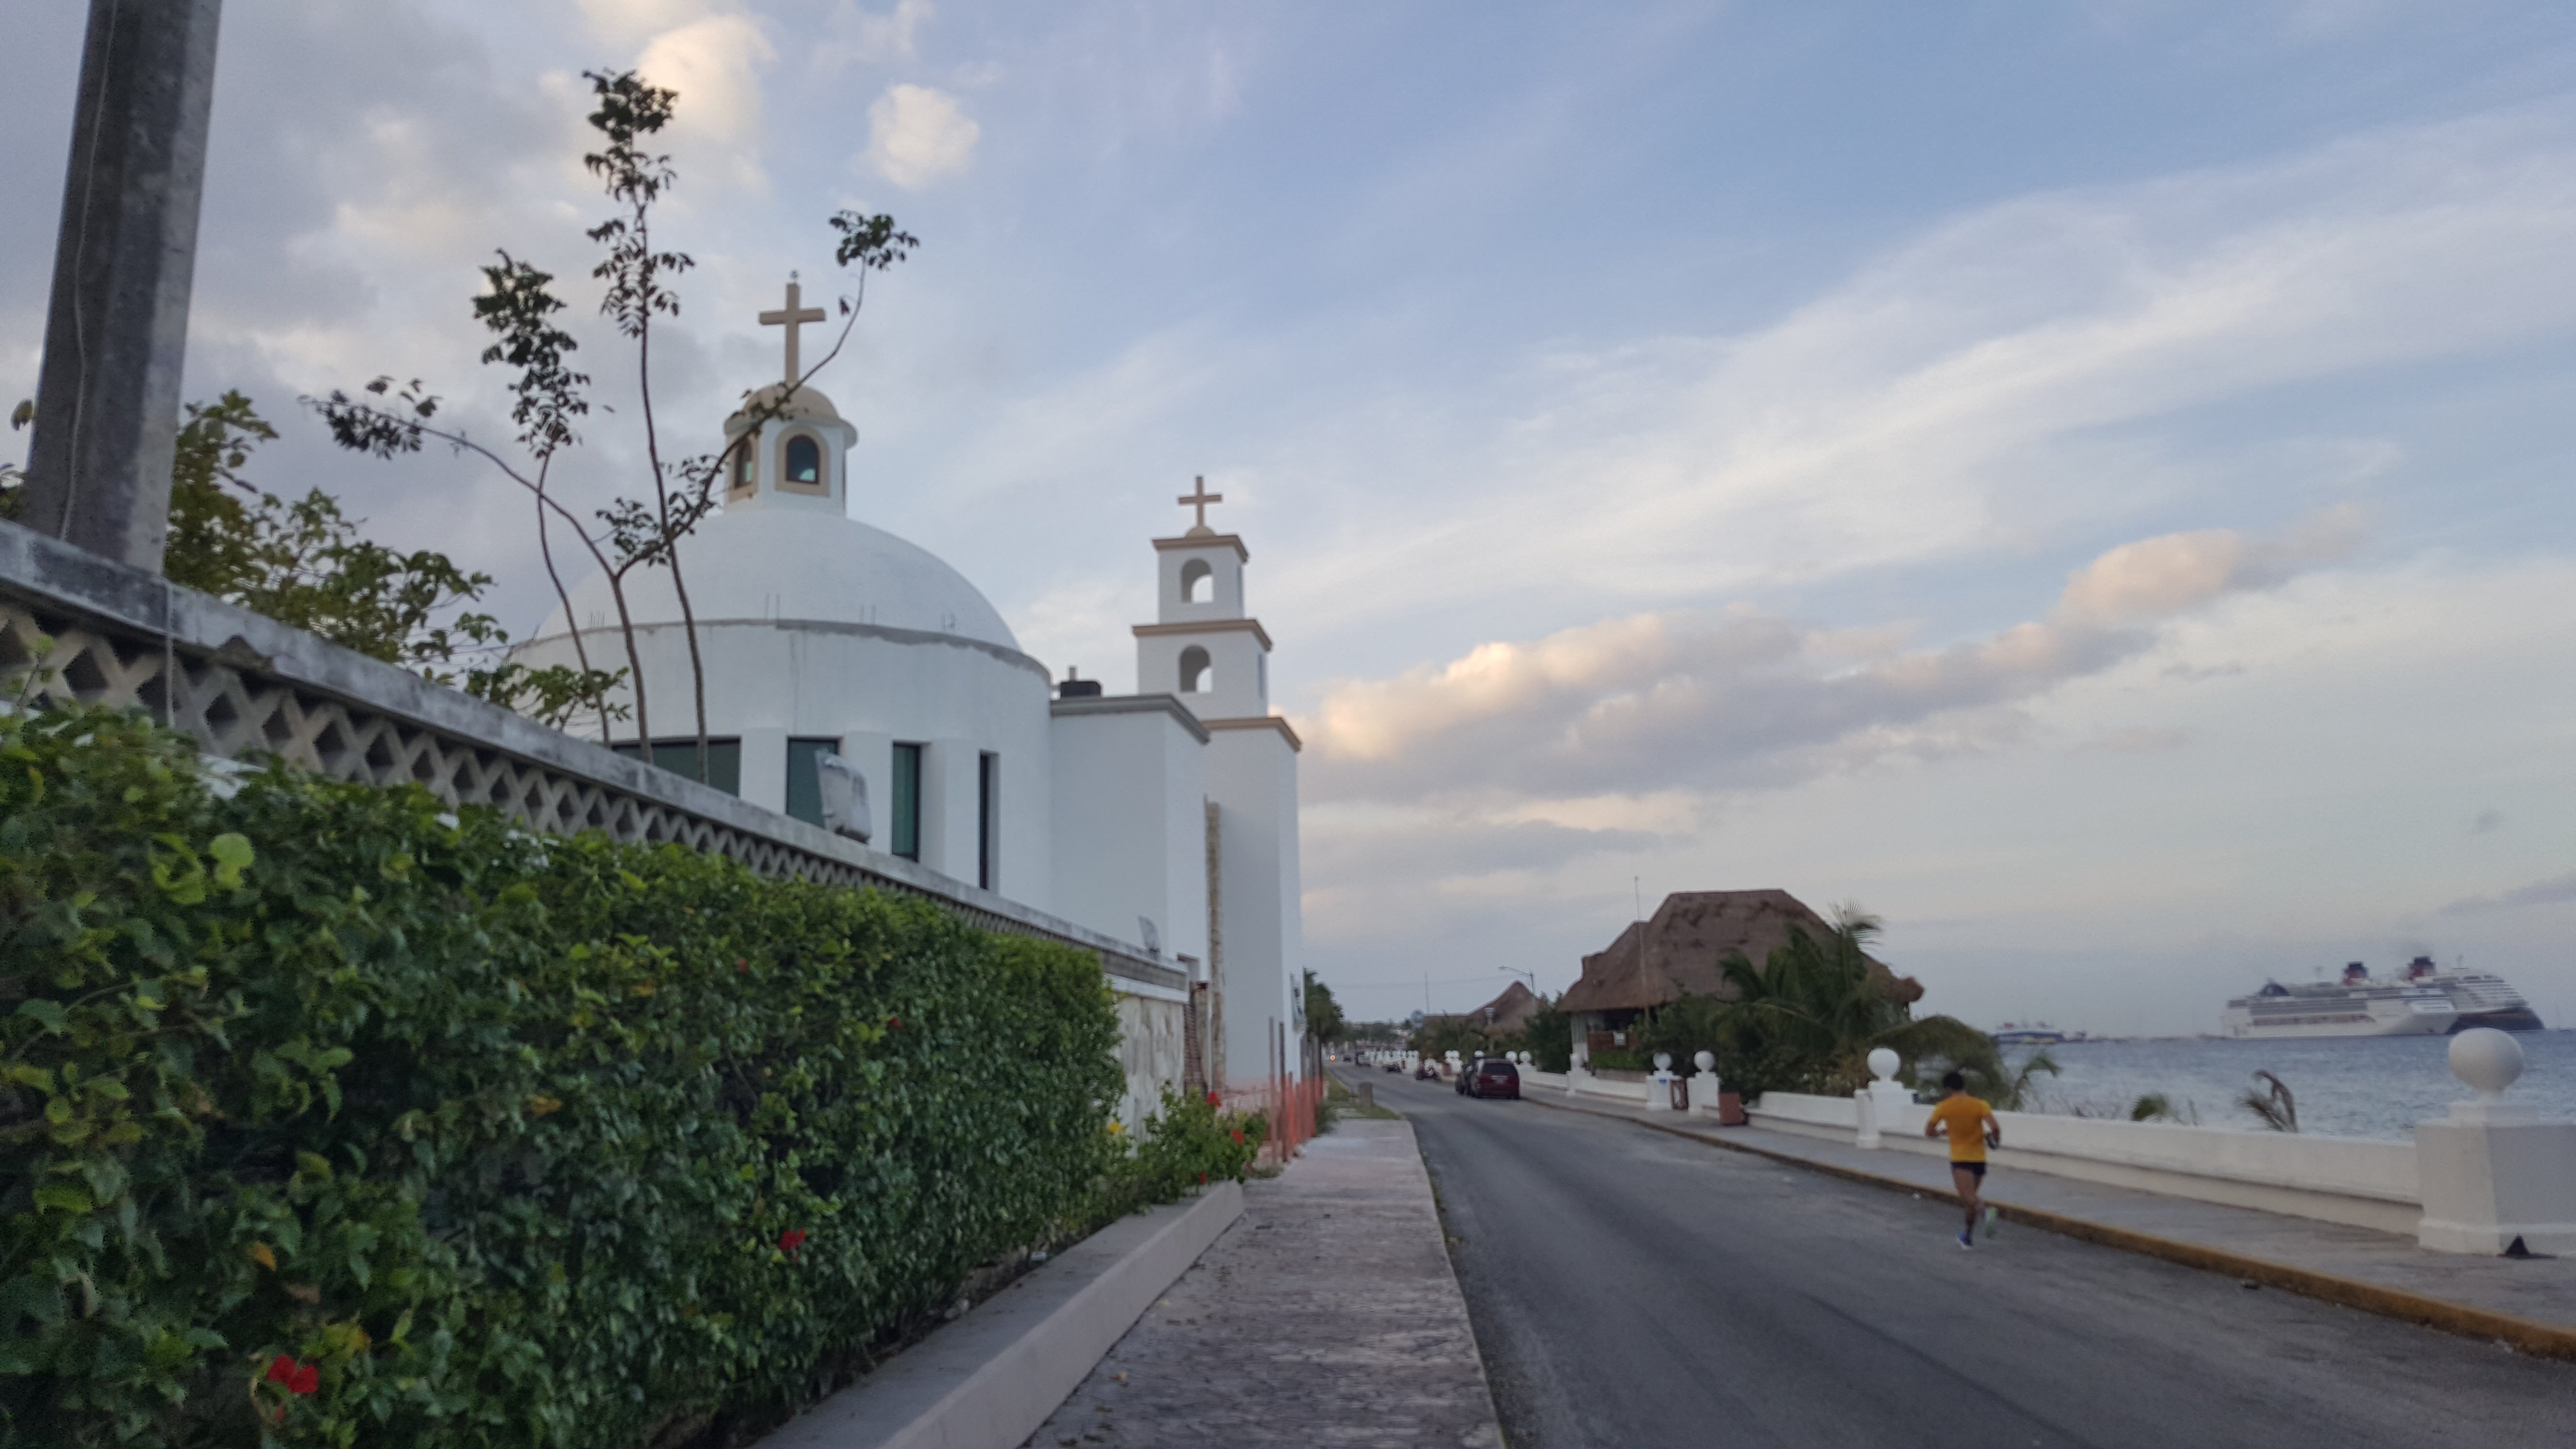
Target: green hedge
(330,1117)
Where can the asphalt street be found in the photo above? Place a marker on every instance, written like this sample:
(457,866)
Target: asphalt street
(1630,1288)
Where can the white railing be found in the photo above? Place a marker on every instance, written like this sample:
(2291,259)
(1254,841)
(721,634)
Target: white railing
(2335,1179)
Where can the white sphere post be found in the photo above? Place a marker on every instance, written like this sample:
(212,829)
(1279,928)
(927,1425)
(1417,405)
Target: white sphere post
(2493,1173)
(1703,1088)
(1659,1086)
(1887,1098)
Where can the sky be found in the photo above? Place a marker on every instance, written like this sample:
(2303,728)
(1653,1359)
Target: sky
(2087,483)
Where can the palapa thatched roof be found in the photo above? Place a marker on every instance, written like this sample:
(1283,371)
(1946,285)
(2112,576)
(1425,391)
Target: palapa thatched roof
(1675,952)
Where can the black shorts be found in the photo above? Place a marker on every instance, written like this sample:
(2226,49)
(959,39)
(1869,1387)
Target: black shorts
(1973,1169)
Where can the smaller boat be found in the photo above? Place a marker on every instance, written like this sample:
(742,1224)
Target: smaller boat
(2036,1034)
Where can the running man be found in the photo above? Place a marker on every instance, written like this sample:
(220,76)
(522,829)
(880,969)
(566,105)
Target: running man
(1972,1129)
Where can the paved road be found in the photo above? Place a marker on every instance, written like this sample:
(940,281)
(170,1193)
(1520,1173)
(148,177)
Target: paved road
(1629,1288)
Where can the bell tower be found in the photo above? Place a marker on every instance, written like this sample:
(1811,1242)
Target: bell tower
(1207,651)
(797,455)
(1202,646)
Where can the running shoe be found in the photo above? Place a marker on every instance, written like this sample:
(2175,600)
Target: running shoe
(1965,1241)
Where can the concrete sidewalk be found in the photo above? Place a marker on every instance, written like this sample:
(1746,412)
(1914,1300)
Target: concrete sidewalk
(1327,1314)
(2540,1291)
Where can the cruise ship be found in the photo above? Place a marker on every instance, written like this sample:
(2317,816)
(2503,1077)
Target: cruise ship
(2353,1006)
(2481,998)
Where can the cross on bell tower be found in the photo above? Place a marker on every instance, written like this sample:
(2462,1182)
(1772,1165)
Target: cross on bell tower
(1200,500)
(792,317)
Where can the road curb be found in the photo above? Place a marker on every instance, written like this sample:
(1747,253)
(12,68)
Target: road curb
(990,1379)
(2541,1340)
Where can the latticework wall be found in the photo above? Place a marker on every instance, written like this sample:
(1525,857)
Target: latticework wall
(238,705)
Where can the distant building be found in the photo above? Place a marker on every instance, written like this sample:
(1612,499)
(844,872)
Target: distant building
(1507,1013)
(1675,953)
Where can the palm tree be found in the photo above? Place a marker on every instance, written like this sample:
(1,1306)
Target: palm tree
(1809,1017)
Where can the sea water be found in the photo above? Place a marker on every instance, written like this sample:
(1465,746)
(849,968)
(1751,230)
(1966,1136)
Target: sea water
(2345,1086)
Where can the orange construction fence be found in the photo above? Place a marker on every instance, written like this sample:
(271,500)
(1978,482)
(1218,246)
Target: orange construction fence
(1291,1107)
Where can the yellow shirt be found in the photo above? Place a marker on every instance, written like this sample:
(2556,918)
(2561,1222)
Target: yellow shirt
(1967,1118)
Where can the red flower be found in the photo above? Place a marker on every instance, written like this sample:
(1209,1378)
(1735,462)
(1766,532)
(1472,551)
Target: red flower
(1238,1136)
(741,966)
(299,1378)
(791,1240)
(1212,1099)
(1202,1179)
(894,1023)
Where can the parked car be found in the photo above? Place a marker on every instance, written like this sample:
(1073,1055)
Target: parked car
(1396,1067)
(1492,1077)
(1427,1072)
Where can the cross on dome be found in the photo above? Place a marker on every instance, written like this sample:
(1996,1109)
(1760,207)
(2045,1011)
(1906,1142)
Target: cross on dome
(1200,501)
(793,318)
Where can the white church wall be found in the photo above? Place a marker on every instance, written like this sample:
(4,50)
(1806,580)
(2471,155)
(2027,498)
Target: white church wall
(772,680)
(948,807)
(764,766)
(1220,586)
(1130,778)
(1252,775)
(1151,1051)
(1235,684)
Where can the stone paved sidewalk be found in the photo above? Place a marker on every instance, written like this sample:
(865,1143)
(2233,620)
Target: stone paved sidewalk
(1327,1315)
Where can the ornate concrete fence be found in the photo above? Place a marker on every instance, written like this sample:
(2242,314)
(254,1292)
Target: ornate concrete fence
(247,688)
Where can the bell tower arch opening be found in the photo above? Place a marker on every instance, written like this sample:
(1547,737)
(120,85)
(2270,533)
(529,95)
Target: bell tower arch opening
(1196,671)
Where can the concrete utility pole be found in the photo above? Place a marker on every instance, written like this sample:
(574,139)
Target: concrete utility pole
(107,402)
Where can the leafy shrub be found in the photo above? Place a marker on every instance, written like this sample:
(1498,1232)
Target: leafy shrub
(1548,1036)
(1190,1142)
(328,1116)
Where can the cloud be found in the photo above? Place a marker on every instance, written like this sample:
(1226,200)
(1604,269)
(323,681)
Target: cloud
(2488,822)
(1446,845)
(2550,892)
(917,135)
(2144,740)
(860,36)
(715,65)
(1738,697)
(2013,374)
(630,21)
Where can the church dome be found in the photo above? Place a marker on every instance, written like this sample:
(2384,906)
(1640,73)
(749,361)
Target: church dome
(809,402)
(759,563)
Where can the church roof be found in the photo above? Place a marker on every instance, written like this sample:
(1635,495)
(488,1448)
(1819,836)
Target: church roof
(1675,952)
(800,565)
(809,402)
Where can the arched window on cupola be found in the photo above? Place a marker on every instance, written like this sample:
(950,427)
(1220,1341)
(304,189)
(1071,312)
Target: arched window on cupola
(804,463)
(1193,574)
(743,463)
(1194,670)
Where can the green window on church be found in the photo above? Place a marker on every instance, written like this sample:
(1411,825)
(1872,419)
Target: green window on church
(804,787)
(680,757)
(903,826)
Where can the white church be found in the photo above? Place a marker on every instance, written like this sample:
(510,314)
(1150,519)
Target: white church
(1166,818)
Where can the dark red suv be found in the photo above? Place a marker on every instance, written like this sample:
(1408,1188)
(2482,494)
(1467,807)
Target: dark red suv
(1492,1077)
